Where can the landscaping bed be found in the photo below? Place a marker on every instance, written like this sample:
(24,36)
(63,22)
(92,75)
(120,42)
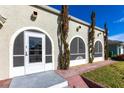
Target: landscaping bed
(108,76)
(119,57)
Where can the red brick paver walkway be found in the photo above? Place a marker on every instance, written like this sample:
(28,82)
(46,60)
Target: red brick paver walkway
(73,73)
(5,83)
(76,82)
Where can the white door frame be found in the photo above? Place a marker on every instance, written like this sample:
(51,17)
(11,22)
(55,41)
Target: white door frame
(19,71)
(38,66)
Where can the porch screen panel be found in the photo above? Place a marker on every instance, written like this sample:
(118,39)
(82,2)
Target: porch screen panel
(19,45)
(74,46)
(98,49)
(81,46)
(18,51)
(48,50)
(77,49)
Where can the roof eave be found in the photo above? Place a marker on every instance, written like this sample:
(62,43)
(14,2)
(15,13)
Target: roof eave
(57,12)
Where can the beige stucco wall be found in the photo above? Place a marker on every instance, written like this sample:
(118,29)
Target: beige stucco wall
(18,17)
(83,32)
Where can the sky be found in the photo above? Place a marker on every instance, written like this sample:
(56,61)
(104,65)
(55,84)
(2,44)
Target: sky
(113,15)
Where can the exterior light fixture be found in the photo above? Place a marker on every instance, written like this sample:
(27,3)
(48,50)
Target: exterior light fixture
(2,21)
(78,28)
(98,34)
(34,16)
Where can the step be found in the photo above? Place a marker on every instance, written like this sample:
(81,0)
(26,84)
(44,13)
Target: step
(48,79)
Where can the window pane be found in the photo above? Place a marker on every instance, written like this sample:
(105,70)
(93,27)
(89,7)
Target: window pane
(48,59)
(48,50)
(35,58)
(18,61)
(35,49)
(35,43)
(98,55)
(19,45)
(81,46)
(73,46)
(48,46)
(98,49)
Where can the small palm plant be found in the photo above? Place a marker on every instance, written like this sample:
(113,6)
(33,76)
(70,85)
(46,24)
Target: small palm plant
(106,53)
(91,37)
(64,57)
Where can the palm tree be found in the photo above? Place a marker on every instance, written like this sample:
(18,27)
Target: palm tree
(106,42)
(91,37)
(64,57)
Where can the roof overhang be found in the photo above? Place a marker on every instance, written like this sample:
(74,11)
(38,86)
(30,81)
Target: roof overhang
(72,18)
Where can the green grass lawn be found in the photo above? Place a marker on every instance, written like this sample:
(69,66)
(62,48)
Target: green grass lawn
(109,76)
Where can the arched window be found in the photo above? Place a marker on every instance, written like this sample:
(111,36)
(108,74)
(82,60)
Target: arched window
(18,49)
(77,49)
(98,49)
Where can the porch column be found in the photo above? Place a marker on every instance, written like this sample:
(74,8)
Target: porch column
(118,50)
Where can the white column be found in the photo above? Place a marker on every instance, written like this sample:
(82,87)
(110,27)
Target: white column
(122,50)
(118,48)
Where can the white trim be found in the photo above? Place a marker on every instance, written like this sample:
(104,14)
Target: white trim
(60,85)
(77,53)
(12,72)
(17,71)
(78,62)
(82,61)
(98,59)
(17,55)
(48,66)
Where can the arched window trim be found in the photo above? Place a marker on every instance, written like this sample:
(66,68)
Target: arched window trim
(99,49)
(13,71)
(78,48)
(18,59)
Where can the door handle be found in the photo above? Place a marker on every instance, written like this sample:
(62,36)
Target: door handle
(26,54)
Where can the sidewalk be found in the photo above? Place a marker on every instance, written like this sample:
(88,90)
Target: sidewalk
(73,73)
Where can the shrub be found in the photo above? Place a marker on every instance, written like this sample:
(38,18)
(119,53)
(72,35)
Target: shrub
(119,57)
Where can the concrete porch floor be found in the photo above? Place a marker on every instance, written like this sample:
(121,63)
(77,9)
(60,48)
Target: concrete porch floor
(47,79)
(72,75)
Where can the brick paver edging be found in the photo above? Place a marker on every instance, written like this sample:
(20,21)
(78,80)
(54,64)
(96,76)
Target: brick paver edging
(5,83)
(77,70)
(92,84)
(70,74)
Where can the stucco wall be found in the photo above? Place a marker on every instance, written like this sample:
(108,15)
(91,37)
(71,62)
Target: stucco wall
(83,33)
(18,17)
